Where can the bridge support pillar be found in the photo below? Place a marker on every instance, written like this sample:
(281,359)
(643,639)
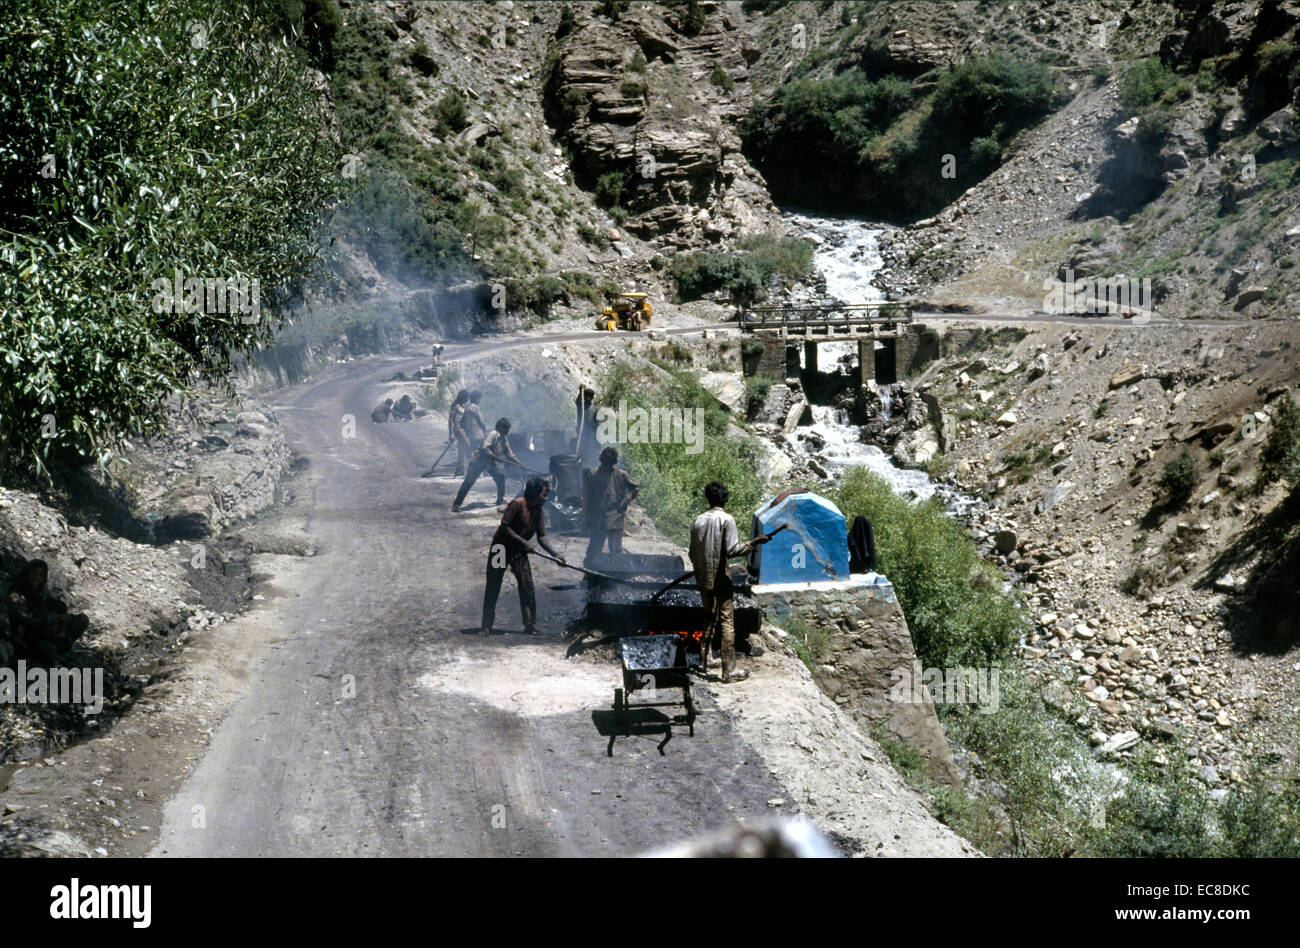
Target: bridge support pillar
(905,346)
(866,361)
(779,360)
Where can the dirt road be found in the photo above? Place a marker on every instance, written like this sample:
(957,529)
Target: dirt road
(379,726)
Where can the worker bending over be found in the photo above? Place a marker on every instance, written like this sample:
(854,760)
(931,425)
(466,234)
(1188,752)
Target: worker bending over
(524,519)
(490,457)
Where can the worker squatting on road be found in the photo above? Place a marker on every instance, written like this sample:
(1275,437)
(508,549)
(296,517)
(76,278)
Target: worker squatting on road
(714,540)
(524,519)
(404,409)
(382,411)
(41,629)
(490,457)
(607,493)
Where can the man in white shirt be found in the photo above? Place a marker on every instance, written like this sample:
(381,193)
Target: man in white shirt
(490,457)
(714,540)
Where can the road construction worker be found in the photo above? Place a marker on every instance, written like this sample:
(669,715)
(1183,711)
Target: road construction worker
(607,493)
(382,411)
(456,431)
(473,422)
(585,427)
(403,409)
(714,540)
(491,457)
(41,630)
(523,520)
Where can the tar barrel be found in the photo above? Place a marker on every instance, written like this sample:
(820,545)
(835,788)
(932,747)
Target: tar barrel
(567,471)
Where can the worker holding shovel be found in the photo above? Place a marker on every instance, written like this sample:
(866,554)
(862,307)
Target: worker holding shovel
(490,457)
(524,519)
(714,540)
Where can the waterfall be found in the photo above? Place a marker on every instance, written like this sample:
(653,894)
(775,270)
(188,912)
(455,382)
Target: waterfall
(886,394)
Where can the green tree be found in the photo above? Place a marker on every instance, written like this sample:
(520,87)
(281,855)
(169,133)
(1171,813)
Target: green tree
(140,143)
(693,19)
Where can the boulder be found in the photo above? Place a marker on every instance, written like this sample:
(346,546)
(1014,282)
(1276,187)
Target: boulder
(1127,374)
(1054,496)
(1275,127)
(1248,295)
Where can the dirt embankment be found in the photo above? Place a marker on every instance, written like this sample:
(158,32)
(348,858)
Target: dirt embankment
(1150,617)
(152,550)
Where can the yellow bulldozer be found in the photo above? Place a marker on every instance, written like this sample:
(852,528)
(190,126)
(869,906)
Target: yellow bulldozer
(628,311)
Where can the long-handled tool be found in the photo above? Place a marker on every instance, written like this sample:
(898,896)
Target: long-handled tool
(685,576)
(580,569)
(429,472)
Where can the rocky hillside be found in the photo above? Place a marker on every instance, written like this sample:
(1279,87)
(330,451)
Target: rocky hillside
(556,149)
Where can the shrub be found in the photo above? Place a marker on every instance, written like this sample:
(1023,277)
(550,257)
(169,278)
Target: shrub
(573,104)
(1261,820)
(672,480)
(744,274)
(1280,455)
(537,294)
(632,88)
(1179,479)
(954,602)
(568,23)
(692,19)
(809,118)
(722,78)
(637,63)
(1163,811)
(1145,82)
(611,8)
(995,94)
(451,114)
(756,389)
(1047,784)
(609,187)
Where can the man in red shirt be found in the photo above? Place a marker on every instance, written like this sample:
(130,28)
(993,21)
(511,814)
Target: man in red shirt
(511,544)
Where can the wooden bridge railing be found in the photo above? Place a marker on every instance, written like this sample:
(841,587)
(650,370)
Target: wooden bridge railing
(824,316)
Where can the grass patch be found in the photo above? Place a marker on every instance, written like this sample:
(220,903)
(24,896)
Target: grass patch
(673,479)
(808,642)
(955,605)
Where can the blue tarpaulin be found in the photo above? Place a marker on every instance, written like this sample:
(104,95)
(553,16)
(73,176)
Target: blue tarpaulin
(813,547)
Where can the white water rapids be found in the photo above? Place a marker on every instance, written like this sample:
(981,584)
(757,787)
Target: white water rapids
(848,256)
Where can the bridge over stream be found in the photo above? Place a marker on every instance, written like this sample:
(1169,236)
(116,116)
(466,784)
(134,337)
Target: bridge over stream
(890,342)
